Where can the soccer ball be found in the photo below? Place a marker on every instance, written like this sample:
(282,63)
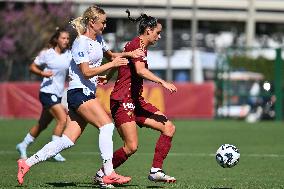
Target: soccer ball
(227,156)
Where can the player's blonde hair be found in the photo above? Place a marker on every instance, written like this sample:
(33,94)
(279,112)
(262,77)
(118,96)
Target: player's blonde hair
(91,13)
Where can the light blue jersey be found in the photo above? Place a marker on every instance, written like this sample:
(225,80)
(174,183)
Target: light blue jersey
(85,49)
(58,64)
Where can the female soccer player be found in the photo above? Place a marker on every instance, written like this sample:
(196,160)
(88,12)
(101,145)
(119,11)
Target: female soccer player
(55,60)
(84,107)
(129,108)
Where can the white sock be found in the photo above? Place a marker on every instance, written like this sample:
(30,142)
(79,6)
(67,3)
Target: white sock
(108,166)
(27,140)
(50,150)
(106,147)
(53,138)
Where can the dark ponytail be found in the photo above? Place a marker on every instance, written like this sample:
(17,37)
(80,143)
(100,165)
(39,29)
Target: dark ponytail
(144,20)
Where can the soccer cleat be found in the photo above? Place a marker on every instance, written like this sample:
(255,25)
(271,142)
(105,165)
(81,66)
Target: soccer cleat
(99,180)
(160,176)
(59,158)
(22,150)
(23,168)
(115,178)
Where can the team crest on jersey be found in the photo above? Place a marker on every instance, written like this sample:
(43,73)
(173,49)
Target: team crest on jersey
(81,54)
(130,113)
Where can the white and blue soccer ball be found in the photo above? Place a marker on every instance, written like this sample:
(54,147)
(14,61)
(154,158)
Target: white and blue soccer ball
(228,156)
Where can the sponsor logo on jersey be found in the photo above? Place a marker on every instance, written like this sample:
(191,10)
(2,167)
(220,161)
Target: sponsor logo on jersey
(128,105)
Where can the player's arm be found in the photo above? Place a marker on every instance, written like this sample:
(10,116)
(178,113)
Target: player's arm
(111,55)
(131,54)
(147,74)
(36,70)
(91,72)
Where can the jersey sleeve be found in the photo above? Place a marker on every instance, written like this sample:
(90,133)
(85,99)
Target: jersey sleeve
(80,52)
(41,58)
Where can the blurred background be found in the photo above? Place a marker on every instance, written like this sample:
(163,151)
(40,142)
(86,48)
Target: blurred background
(225,56)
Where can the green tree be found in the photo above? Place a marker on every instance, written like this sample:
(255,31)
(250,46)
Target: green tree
(25,30)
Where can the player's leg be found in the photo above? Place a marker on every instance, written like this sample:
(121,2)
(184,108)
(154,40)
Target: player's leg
(124,119)
(44,121)
(128,133)
(60,116)
(75,127)
(93,112)
(149,116)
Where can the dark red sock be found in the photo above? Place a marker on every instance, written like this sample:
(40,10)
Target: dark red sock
(162,149)
(119,157)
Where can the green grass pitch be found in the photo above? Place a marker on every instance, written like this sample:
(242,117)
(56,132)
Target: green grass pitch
(191,159)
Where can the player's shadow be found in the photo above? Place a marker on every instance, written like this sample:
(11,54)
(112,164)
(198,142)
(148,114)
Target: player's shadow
(67,184)
(125,185)
(82,185)
(61,184)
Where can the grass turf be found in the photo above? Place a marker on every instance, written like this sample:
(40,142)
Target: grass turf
(191,159)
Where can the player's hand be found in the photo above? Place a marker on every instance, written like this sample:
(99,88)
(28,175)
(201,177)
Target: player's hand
(170,87)
(46,73)
(102,80)
(137,53)
(119,61)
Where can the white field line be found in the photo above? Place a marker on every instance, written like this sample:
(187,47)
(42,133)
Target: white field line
(4,152)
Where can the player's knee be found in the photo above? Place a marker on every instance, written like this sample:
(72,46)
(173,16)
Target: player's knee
(170,129)
(131,149)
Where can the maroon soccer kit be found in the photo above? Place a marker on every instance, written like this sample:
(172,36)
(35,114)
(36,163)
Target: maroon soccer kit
(127,103)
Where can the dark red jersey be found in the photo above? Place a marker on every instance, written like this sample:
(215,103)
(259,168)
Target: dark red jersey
(129,85)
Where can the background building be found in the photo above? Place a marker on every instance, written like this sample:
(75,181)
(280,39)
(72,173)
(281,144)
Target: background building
(219,24)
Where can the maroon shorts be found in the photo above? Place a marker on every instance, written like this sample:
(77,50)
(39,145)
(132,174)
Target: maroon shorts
(131,110)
